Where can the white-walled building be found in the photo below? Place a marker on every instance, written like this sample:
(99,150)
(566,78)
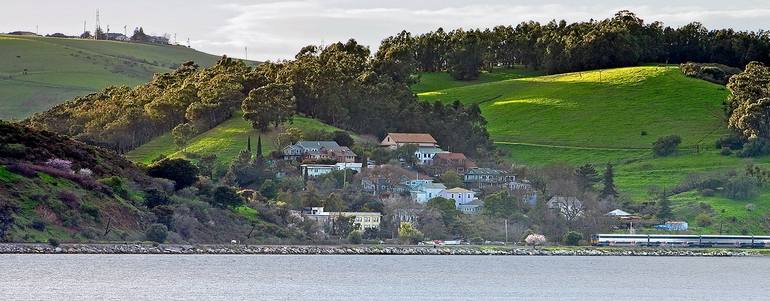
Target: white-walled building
(459,195)
(314,170)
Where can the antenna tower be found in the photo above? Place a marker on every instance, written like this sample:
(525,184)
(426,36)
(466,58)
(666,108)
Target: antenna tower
(98,26)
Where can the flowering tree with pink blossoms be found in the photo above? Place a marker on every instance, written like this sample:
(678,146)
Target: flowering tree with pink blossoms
(535,240)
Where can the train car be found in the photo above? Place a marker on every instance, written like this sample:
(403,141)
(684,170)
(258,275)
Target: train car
(665,240)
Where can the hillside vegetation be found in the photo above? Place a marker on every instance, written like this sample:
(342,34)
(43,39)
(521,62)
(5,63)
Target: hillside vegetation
(225,141)
(37,73)
(614,115)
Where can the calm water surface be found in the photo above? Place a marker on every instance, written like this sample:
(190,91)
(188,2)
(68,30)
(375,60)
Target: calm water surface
(275,277)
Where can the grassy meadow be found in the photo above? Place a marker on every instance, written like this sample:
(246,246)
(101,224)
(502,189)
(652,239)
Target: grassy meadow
(613,116)
(37,73)
(225,140)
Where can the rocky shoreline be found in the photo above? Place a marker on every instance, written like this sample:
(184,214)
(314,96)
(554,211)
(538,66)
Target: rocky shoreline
(355,250)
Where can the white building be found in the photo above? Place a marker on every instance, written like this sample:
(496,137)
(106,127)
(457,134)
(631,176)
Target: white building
(314,170)
(459,195)
(424,192)
(473,207)
(425,155)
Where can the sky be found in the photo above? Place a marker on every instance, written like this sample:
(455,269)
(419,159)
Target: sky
(275,30)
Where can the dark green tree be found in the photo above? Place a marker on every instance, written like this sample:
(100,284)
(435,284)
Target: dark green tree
(181,171)
(609,189)
(587,176)
(270,104)
(157,233)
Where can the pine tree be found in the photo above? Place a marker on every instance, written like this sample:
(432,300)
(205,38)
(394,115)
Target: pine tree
(248,144)
(259,147)
(664,208)
(609,183)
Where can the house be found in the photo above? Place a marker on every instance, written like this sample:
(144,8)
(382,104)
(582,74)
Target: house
(388,179)
(424,192)
(477,178)
(524,191)
(459,195)
(457,162)
(396,140)
(318,150)
(362,220)
(474,207)
(569,207)
(425,154)
(314,170)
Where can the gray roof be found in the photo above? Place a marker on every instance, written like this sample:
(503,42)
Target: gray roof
(318,144)
(484,171)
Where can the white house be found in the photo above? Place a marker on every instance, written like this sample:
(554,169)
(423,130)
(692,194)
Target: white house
(459,195)
(424,192)
(314,170)
(425,155)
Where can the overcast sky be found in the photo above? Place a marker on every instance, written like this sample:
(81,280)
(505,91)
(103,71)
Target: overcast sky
(275,30)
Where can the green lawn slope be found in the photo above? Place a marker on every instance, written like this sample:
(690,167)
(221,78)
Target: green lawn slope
(614,116)
(225,140)
(37,72)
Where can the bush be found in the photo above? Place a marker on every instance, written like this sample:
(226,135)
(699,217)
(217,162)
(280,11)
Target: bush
(741,188)
(355,237)
(726,151)
(343,138)
(157,233)
(225,196)
(643,133)
(733,142)
(703,220)
(181,171)
(54,242)
(38,225)
(154,198)
(60,164)
(69,198)
(117,184)
(755,147)
(707,192)
(572,238)
(667,145)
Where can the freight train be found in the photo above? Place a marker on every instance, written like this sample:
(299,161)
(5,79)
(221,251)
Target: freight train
(665,240)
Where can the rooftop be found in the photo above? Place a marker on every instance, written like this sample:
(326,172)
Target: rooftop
(458,190)
(412,138)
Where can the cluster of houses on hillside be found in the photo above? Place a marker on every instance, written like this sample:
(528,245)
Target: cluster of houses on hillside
(323,157)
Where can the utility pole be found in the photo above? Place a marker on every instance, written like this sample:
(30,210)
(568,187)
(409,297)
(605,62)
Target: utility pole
(506,231)
(125,30)
(246,51)
(37,29)
(188,43)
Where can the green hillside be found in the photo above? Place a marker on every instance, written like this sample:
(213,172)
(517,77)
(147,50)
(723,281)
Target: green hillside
(225,140)
(600,116)
(37,73)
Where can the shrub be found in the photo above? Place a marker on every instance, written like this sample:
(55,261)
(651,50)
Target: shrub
(157,233)
(733,142)
(343,138)
(750,207)
(667,145)
(69,198)
(703,220)
(117,184)
(643,133)
(53,242)
(355,237)
(60,164)
(181,171)
(755,147)
(535,239)
(408,234)
(154,198)
(707,192)
(725,151)
(38,225)
(225,196)
(741,188)
(572,238)
(90,210)
(85,172)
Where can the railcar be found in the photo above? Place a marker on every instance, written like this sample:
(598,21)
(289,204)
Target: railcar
(665,240)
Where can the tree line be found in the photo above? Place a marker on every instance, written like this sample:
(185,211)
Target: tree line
(341,84)
(556,46)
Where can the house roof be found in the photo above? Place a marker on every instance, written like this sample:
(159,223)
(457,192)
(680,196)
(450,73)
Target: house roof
(451,156)
(474,203)
(318,144)
(484,171)
(430,150)
(618,212)
(412,138)
(458,190)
